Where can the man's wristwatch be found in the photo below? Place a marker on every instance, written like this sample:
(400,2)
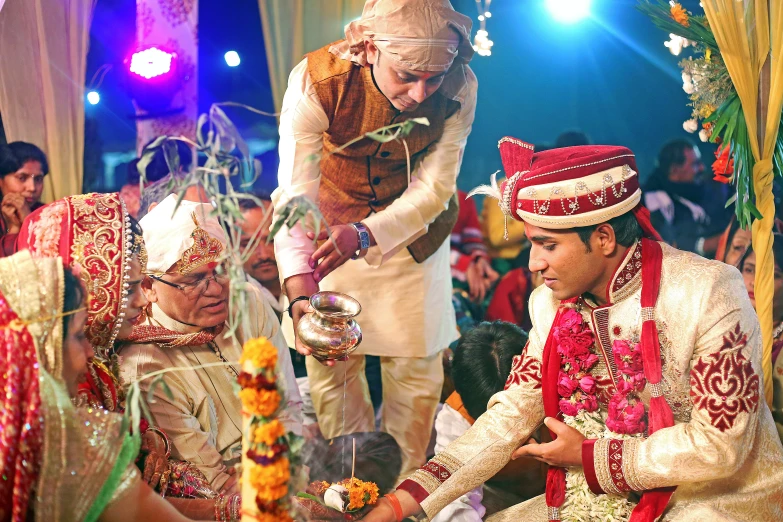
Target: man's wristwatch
(364,240)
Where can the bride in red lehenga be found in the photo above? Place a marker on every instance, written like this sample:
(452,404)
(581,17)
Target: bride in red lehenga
(94,234)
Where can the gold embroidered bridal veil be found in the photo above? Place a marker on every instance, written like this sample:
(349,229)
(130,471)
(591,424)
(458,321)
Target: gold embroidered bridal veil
(69,462)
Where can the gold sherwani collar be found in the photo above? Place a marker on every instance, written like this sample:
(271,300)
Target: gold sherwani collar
(627,279)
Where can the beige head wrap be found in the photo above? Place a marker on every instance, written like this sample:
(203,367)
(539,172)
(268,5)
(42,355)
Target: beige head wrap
(189,236)
(422,35)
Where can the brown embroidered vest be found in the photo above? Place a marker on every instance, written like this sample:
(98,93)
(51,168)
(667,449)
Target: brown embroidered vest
(368,176)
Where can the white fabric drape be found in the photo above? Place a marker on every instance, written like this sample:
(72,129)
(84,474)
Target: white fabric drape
(290,31)
(43,61)
(173,26)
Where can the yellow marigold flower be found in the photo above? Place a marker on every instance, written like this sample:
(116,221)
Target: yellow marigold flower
(260,402)
(680,15)
(708,55)
(260,352)
(269,433)
(275,474)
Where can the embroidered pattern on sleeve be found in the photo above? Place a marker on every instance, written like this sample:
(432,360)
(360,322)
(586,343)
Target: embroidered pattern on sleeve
(724,383)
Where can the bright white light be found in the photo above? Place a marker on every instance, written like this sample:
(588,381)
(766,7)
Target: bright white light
(488,14)
(232,58)
(93,97)
(481,18)
(568,11)
(151,62)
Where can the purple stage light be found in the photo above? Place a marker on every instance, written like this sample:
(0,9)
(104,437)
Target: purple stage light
(152,62)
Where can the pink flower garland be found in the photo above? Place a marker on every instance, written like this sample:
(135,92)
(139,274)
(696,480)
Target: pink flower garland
(577,388)
(574,384)
(626,411)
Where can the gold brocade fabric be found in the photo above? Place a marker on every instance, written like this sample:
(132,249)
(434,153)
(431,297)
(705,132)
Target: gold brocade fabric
(723,453)
(80,446)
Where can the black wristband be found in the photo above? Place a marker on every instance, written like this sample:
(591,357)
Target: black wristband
(296,300)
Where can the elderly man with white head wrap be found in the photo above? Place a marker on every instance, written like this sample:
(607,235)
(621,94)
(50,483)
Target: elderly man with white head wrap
(184,326)
(402,59)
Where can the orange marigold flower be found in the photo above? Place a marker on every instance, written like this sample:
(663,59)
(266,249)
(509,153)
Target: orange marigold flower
(269,433)
(260,352)
(273,475)
(361,493)
(260,402)
(680,15)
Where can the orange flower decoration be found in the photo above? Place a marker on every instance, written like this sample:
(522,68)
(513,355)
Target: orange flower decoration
(269,433)
(361,493)
(275,474)
(723,166)
(260,402)
(680,15)
(260,352)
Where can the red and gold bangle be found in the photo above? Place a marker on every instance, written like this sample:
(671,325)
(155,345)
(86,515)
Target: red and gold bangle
(396,506)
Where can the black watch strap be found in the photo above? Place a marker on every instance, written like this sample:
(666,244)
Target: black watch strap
(296,300)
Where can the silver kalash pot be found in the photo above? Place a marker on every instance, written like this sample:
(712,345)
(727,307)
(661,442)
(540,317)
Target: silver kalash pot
(330,331)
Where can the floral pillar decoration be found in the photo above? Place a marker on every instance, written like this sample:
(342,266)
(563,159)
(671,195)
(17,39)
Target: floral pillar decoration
(171,25)
(735,83)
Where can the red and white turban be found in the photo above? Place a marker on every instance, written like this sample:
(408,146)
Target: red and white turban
(569,187)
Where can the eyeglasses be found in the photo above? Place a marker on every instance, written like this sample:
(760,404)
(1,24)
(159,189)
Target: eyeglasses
(197,287)
(23,178)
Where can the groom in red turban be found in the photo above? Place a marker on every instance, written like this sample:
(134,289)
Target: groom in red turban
(643,361)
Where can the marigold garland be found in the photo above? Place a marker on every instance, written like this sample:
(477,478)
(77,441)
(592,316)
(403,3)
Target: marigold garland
(260,402)
(266,443)
(260,352)
(269,433)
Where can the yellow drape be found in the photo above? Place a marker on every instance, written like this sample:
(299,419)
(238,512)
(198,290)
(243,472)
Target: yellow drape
(43,60)
(295,27)
(747,31)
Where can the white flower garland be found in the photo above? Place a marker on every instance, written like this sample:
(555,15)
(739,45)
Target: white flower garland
(581,504)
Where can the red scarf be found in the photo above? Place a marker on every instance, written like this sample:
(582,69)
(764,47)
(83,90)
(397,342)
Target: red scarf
(653,502)
(166,338)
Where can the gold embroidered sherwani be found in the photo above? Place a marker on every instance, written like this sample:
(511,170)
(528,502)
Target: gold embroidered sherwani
(204,418)
(722,454)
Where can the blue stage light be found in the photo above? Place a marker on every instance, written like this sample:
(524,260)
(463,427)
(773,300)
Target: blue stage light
(568,11)
(93,97)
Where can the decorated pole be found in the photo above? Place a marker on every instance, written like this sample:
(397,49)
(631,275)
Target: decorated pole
(742,32)
(762,236)
(735,83)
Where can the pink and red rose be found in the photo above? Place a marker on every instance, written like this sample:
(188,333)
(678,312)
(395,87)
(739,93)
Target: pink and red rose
(626,415)
(566,386)
(574,344)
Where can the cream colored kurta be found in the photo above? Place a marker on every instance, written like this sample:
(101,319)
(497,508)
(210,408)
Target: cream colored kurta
(406,306)
(722,454)
(204,418)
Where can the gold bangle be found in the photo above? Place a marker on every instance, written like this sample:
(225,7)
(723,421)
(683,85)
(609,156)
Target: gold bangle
(166,442)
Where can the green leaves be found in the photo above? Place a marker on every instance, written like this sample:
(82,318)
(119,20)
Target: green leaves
(698,29)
